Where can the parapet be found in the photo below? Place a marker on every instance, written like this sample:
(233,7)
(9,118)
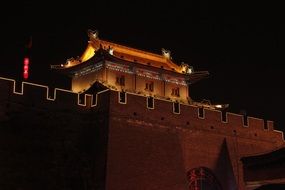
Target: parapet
(138,106)
(36,94)
(184,116)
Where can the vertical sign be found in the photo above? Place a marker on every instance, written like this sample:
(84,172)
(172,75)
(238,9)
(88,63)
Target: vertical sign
(26,61)
(26,68)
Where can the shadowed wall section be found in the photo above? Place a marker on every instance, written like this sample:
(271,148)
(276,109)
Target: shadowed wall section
(49,145)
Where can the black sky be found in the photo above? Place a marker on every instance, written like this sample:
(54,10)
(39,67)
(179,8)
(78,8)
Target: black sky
(240,44)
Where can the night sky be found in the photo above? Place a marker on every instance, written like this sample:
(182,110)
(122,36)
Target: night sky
(240,44)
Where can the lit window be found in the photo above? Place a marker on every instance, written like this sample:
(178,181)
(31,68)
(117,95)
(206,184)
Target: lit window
(120,80)
(175,92)
(149,86)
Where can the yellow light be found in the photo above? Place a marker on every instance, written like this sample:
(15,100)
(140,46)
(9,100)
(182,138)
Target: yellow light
(89,52)
(111,51)
(218,106)
(189,70)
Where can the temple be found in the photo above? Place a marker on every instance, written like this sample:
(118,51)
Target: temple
(127,122)
(127,69)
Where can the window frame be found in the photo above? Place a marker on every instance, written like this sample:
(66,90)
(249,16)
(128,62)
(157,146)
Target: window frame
(121,80)
(175,92)
(149,86)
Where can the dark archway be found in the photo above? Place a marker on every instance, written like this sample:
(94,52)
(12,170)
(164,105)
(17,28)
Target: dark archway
(202,178)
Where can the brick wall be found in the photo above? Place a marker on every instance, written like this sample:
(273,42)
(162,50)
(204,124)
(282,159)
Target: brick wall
(71,141)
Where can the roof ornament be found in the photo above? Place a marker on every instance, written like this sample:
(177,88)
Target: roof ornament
(94,34)
(69,61)
(111,51)
(207,104)
(186,68)
(166,53)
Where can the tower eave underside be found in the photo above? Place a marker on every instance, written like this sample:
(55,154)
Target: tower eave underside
(102,56)
(197,76)
(70,71)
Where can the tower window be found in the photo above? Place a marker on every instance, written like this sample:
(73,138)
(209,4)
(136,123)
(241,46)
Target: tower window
(175,92)
(149,86)
(120,80)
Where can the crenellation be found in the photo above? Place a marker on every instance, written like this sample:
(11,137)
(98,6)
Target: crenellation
(84,99)
(245,120)
(201,113)
(102,101)
(18,87)
(7,88)
(66,98)
(234,120)
(190,112)
(33,90)
(270,125)
(188,115)
(51,93)
(213,115)
(255,123)
(279,135)
(224,117)
(176,107)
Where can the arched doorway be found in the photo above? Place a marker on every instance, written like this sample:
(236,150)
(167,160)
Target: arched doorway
(202,178)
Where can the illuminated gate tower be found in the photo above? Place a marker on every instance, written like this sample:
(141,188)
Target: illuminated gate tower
(127,69)
(154,135)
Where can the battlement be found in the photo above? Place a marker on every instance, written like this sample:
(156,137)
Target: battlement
(139,108)
(184,116)
(31,93)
